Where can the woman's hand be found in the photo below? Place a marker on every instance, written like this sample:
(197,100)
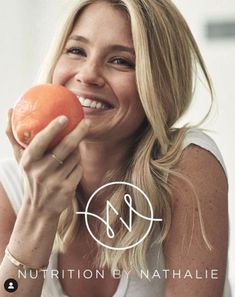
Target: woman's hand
(49,185)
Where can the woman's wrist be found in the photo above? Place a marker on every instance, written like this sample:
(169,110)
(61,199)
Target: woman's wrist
(41,212)
(33,236)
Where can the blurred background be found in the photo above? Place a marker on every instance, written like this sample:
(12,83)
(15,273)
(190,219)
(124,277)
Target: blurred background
(27,28)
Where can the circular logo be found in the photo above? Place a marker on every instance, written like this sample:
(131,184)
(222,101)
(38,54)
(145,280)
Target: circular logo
(11,285)
(127,196)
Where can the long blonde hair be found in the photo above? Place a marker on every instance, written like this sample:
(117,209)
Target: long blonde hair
(167,57)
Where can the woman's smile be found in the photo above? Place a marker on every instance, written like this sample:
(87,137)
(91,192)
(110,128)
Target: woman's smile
(94,104)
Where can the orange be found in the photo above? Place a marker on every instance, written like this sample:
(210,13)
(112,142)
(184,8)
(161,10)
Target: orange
(39,106)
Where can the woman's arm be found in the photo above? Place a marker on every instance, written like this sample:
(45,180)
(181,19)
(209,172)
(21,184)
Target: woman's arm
(49,188)
(32,239)
(185,249)
(7,220)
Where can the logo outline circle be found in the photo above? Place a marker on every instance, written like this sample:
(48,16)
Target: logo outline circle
(87,213)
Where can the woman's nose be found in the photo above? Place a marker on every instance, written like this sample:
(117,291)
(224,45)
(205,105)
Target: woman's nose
(90,74)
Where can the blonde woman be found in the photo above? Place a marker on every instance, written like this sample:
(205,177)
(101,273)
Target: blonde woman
(131,64)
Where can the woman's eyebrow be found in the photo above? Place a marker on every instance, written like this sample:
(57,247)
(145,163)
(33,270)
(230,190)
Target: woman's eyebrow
(113,47)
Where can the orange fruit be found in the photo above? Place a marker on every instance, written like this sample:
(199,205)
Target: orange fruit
(39,106)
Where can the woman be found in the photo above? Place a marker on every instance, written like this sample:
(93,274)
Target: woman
(130,63)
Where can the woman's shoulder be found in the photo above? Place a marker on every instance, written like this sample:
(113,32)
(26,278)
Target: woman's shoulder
(199,207)
(202,164)
(199,138)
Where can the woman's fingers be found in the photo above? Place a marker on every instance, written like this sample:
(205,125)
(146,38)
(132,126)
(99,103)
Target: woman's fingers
(66,148)
(39,145)
(72,140)
(74,178)
(17,148)
(69,164)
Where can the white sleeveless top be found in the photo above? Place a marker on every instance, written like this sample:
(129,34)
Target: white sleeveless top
(129,286)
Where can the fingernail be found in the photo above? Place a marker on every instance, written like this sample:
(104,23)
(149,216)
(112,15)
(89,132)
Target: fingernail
(62,120)
(87,122)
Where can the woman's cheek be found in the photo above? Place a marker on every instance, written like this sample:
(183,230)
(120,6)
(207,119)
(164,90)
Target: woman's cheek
(62,72)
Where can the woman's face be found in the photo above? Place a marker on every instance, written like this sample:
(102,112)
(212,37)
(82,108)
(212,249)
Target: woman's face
(98,65)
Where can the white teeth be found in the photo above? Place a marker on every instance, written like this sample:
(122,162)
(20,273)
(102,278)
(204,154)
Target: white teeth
(98,105)
(92,103)
(81,99)
(87,102)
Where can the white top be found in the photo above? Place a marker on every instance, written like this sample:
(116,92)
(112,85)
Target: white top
(12,181)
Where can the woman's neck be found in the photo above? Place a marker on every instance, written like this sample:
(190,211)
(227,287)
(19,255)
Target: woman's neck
(97,158)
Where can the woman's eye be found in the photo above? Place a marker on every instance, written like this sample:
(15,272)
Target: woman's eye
(75,51)
(124,62)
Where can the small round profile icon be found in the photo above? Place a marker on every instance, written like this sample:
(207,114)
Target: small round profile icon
(11,285)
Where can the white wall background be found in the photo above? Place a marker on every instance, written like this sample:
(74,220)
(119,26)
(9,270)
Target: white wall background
(26,29)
